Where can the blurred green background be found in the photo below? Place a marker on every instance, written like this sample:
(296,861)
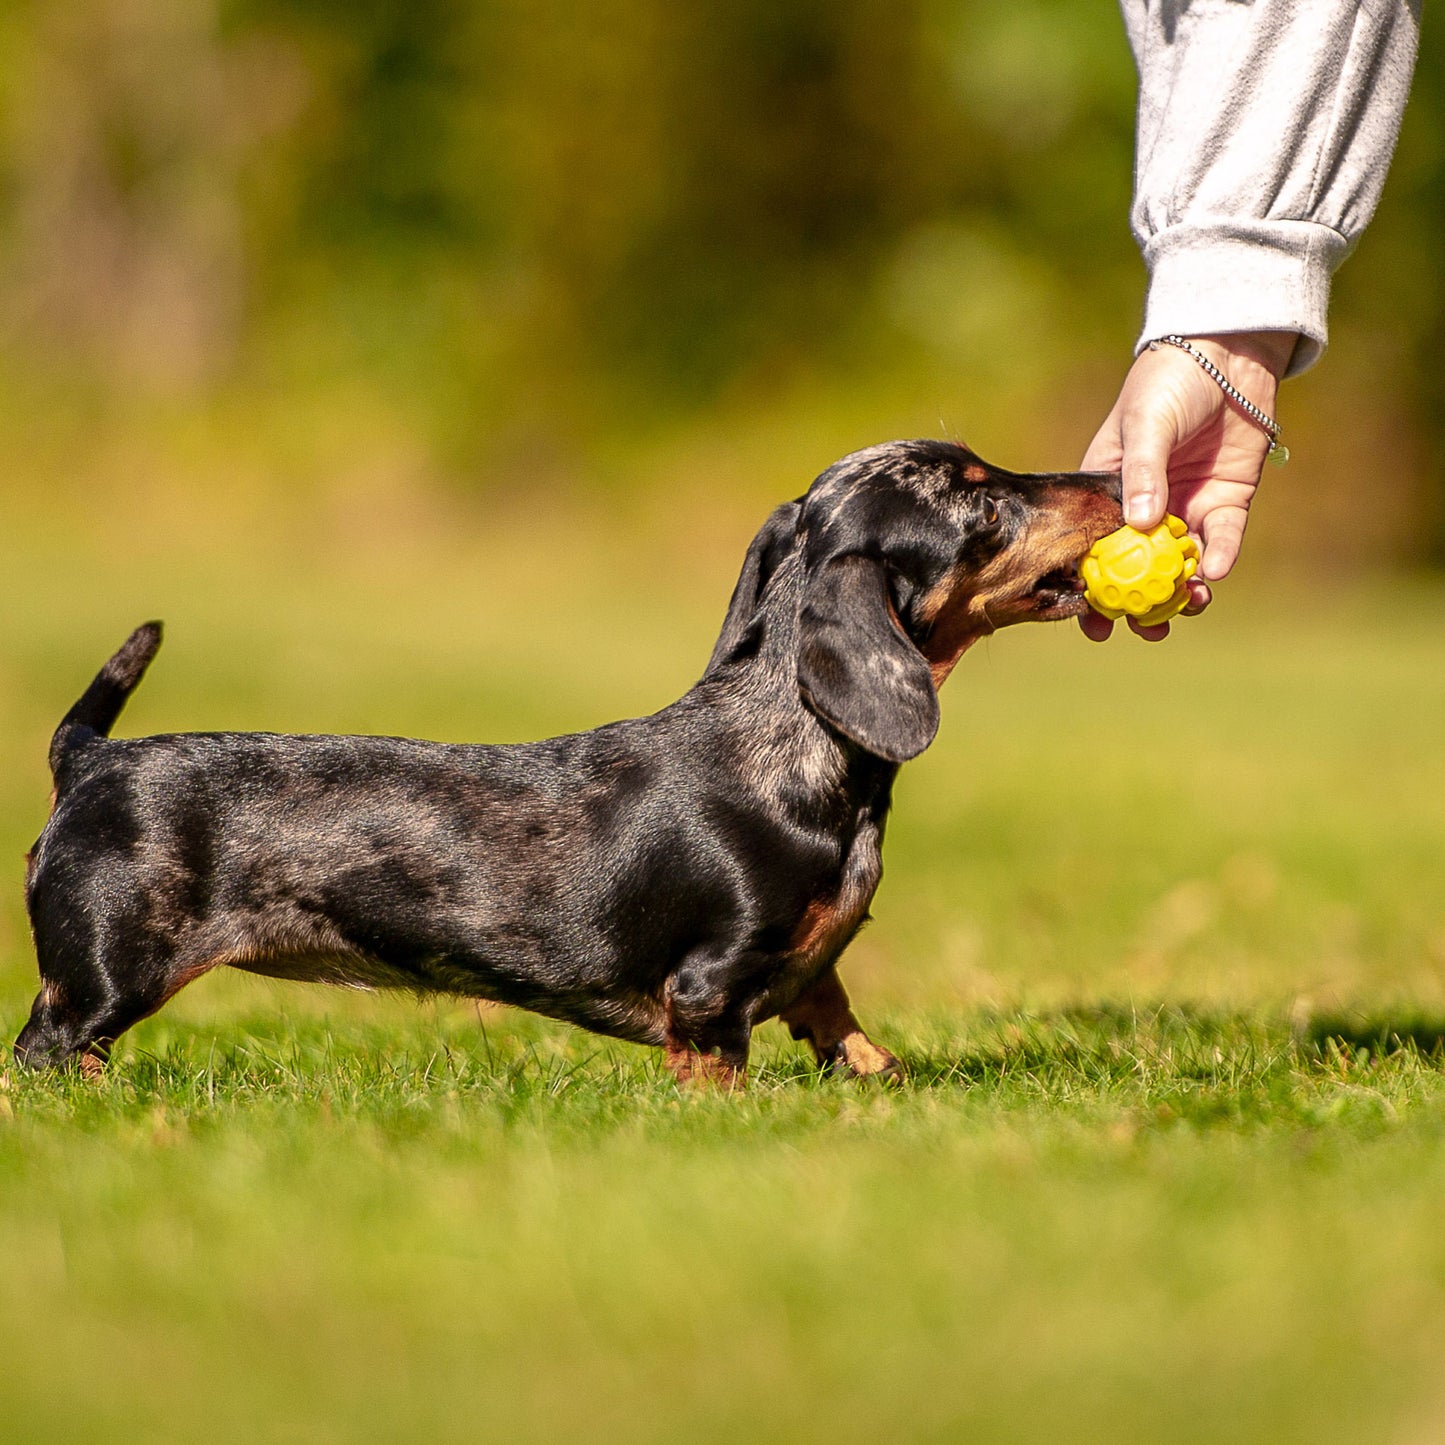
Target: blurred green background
(629,250)
(427,367)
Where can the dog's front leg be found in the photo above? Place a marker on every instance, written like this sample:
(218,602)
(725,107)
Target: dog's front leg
(691,1066)
(822,1015)
(708,1030)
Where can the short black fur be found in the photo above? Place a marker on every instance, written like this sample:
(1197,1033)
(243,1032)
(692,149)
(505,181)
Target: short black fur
(673,879)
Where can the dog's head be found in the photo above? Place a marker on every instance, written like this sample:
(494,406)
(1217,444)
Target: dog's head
(909,552)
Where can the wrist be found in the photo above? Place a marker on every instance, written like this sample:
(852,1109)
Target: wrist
(1237,368)
(1243,356)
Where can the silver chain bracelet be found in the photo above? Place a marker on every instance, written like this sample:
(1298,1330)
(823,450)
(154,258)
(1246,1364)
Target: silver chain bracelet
(1278,452)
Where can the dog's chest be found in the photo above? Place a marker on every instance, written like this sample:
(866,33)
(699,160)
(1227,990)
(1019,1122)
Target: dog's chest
(830,919)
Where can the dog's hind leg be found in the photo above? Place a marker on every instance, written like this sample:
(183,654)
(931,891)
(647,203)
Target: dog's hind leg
(822,1015)
(94,987)
(78,1020)
(69,1024)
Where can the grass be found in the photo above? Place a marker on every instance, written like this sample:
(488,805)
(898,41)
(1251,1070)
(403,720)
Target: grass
(1161,942)
(1171,1225)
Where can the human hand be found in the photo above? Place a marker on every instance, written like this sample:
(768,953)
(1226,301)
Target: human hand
(1184,448)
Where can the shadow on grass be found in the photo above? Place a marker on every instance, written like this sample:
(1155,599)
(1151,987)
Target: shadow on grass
(1101,1043)
(1198,1060)
(1378,1034)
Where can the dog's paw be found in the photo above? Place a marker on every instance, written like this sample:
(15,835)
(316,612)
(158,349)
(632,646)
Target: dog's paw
(694,1069)
(858,1056)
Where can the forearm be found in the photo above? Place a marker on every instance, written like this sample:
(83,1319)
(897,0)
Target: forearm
(1263,136)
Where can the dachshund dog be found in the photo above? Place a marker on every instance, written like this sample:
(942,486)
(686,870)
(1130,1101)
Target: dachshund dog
(674,879)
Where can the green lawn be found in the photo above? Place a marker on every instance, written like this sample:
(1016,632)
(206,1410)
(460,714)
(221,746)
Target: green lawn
(1161,942)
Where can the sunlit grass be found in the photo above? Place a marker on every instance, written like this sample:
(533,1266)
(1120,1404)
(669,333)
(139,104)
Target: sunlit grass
(1161,943)
(1190,1225)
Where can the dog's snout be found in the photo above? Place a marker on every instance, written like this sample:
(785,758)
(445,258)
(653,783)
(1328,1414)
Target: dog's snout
(1095,500)
(1107,485)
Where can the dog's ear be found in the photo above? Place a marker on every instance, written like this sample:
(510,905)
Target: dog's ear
(774,541)
(856,668)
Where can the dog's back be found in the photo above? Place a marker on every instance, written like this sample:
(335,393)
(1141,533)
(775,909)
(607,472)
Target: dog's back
(674,879)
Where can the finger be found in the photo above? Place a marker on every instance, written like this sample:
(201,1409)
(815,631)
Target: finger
(1147,443)
(1095,627)
(1156,633)
(1223,530)
(1102,456)
(1105,452)
(1199,597)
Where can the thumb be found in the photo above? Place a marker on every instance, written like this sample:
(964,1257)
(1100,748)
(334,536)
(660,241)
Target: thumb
(1148,441)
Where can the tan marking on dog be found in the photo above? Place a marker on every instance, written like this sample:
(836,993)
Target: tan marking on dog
(695,1069)
(953,629)
(825,920)
(827,927)
(973,472)
(962,608)
(92,1065)
(863,1057)
(821,1013)
(937,599)
(823,1016)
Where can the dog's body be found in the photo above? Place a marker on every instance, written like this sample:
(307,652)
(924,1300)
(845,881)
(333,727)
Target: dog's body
(674,879)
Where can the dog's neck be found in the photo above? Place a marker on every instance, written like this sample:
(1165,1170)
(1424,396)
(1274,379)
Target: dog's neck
(794,758)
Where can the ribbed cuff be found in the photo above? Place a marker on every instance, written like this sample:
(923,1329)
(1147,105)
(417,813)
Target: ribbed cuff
(1251,276)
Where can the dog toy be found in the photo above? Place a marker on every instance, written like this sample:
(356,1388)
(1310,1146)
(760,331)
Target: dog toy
(1143,575)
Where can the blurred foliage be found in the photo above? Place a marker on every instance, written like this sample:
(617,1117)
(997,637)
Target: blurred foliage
(501,243)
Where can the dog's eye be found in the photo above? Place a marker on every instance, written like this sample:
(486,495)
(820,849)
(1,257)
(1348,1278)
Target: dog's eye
(990,513)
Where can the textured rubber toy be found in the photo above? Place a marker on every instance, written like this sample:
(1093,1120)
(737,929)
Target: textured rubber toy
(1141,574)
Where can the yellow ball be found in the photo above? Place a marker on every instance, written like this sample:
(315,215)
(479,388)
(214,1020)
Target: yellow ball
(1141,574)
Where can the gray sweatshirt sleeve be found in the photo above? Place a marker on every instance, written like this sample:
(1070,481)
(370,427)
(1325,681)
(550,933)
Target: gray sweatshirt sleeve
(1264,131)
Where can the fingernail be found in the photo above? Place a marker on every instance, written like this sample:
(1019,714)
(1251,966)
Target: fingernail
(1137,510)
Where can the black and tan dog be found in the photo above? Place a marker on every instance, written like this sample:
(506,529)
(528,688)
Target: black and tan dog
(674,879)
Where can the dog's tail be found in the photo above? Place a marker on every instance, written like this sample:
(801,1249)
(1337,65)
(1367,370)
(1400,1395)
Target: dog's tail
(101,703)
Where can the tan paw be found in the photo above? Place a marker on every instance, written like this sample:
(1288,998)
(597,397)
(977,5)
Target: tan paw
(698,1070)
(860,1056)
